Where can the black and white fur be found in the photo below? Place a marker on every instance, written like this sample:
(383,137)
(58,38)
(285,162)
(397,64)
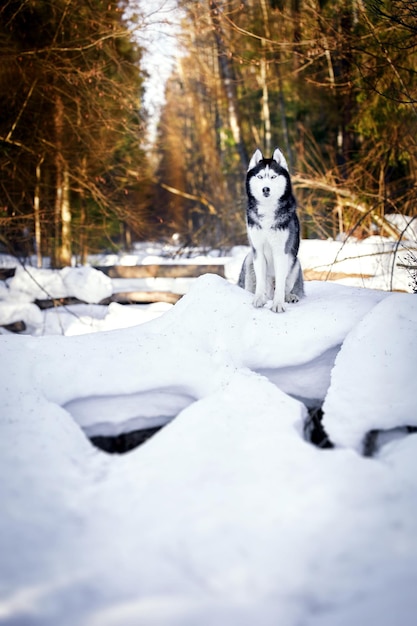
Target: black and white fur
(271,269)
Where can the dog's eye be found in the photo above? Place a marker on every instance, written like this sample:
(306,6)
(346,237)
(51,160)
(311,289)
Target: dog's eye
(273,175)
(259,176)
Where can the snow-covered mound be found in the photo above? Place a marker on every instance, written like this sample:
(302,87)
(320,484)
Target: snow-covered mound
(374,379)
(30,284)
(228,515)
(85,283)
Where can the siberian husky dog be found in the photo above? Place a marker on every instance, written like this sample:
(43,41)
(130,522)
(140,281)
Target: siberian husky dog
(271,270)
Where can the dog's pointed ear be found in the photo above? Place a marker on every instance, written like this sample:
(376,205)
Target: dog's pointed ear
(256,157)
(280,158)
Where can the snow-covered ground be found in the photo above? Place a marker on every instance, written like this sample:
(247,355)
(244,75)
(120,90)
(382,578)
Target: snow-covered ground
(374,263)
(228,515)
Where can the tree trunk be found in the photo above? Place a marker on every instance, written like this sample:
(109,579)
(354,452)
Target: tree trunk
(266,113)
(37,216)
(281,98)
(228,78)
(65,249)
(82,238)
(61,253)
(57,215)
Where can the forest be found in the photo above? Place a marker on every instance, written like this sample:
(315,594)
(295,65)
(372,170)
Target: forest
(332,82)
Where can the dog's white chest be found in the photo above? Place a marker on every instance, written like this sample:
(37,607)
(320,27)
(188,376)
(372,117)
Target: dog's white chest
(268,242)
(265,222)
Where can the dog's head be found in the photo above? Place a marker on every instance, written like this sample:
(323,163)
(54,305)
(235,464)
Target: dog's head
(268,178)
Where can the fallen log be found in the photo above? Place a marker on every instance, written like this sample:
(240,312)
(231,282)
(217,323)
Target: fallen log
(50,303)
(161,271)
(142,297)
(123,297)
(329,275)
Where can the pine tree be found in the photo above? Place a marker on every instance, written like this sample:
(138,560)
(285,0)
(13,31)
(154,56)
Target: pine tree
(70,140)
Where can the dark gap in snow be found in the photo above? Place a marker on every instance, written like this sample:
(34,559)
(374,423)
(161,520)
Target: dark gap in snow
(117,423)
(119,444)
(370,444)
(15,327)
(376,439)
(314,431)
(7,272)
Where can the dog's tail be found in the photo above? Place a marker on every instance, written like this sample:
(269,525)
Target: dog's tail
(241,280)
(247,278)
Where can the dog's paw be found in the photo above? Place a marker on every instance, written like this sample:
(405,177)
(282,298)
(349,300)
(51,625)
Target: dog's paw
(291,297)
(278,307)
(259,301)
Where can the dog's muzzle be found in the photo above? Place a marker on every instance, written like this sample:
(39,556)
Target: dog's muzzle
(266,191)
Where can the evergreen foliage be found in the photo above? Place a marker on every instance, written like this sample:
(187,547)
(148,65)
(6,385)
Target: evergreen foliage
(71,127)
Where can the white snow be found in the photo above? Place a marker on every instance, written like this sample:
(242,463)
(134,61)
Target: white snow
(84,283)
(227,515)
(374,262)
(377,363)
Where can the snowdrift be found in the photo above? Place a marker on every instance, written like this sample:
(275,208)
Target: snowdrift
(228,515)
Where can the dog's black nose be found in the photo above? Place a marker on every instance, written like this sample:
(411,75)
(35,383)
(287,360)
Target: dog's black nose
(266,191)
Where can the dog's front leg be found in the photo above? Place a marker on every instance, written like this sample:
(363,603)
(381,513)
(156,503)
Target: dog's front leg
(280,270)
(259,264)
